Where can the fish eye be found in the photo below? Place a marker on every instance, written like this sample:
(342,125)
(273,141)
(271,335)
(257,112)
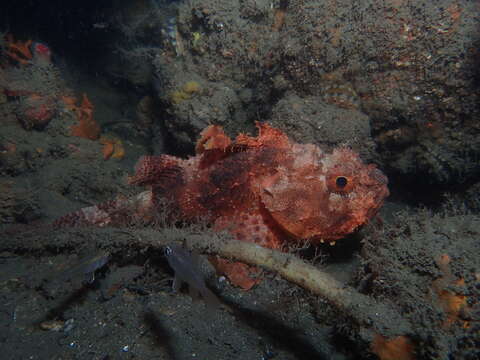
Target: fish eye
(168,251)
(341,182)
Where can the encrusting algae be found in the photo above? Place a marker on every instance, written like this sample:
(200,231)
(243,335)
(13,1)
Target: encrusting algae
(112,147)
(18,50)
(187,91)
(452,304)
(86,127)
(399,348)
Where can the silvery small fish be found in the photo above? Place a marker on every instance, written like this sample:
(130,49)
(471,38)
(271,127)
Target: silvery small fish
(185,265)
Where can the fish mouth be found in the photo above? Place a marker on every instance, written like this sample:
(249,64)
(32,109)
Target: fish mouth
(349,195)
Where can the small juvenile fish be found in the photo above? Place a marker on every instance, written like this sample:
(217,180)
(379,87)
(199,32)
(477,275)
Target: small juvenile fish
(86,267)
(186,268)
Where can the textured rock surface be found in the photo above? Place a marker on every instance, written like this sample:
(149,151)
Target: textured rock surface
(410,67)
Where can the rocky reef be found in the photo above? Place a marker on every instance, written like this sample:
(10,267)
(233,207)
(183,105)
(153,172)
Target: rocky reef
(401,76)
(89,88)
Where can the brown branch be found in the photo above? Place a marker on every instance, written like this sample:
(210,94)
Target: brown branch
(378,318)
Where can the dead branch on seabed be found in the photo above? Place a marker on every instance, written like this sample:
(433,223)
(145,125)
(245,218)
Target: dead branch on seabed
(372,317)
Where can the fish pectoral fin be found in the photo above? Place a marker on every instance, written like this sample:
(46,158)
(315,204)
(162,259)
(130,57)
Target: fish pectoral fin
(177,284)
(210,298)
(161,171)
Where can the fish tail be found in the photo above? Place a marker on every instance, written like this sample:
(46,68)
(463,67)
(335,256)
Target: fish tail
(117,212)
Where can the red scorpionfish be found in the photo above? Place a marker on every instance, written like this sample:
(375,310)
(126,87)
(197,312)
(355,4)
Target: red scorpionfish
(264,189)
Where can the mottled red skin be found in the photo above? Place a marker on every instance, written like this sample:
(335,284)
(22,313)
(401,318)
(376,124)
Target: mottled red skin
(264,189)
(267,189)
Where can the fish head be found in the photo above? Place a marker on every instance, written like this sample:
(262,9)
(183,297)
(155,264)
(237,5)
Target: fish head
(323,197)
